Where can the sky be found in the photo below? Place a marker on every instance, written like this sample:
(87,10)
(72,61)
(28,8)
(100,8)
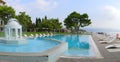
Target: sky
(104,14)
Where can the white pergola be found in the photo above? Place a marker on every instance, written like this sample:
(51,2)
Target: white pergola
(13,30)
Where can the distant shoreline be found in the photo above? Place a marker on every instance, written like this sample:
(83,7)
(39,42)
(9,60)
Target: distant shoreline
(101,30)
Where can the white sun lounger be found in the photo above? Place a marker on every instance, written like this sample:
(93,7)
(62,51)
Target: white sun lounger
(111,39)
(25,35)
(51,34)
(112,46)
(40,35)
(48,34)
(36,35)
(31,36)
(108,38)
(44,35)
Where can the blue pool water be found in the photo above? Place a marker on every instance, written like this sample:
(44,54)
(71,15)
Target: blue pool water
(78,45)
(74,41)
(34,45)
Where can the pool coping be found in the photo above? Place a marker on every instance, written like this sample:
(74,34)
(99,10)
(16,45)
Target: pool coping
(96,48)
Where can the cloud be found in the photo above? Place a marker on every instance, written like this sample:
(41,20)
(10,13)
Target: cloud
(108,18)
(31,6)
(106,24)
(111,12)
(18,6)
(34,8)
(45,5)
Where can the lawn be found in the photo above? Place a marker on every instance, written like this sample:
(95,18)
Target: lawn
(1,34)
(29,33)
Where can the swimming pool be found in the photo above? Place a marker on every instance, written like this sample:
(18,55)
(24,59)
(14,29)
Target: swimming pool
(34,45)
(78,45)
(36,50)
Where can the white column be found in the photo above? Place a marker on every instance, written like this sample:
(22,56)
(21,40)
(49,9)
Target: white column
(20,32)
(9,33)
(16,33)
(5,31)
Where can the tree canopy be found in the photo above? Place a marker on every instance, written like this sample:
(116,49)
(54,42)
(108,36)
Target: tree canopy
(48,23)
(24,19)
(77,20)
(38,22)
(73,20)
(6,13)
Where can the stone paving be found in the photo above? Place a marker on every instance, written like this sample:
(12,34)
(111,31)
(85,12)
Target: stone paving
(108,56)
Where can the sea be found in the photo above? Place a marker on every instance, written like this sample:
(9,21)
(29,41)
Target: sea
(108,31)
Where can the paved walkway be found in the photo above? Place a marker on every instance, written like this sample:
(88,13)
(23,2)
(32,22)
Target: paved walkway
(108,56)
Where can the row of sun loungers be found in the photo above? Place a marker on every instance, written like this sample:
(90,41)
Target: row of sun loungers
(37,35)
(108,40)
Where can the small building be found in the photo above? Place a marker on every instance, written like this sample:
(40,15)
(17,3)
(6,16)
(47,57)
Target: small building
(2,2)
(13,30)
(13,33)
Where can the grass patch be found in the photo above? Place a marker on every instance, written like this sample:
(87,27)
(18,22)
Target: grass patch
(1,34)
(29,33)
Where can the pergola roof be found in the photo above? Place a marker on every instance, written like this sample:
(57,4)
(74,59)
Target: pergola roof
(13,23)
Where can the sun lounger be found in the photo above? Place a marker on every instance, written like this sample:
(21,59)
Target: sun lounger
(40,35)
(104,39)
(36,35)
(25,36)
(44,35)
(112,46)
(48,34)
(51,34)
(31,36)
(111,39)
